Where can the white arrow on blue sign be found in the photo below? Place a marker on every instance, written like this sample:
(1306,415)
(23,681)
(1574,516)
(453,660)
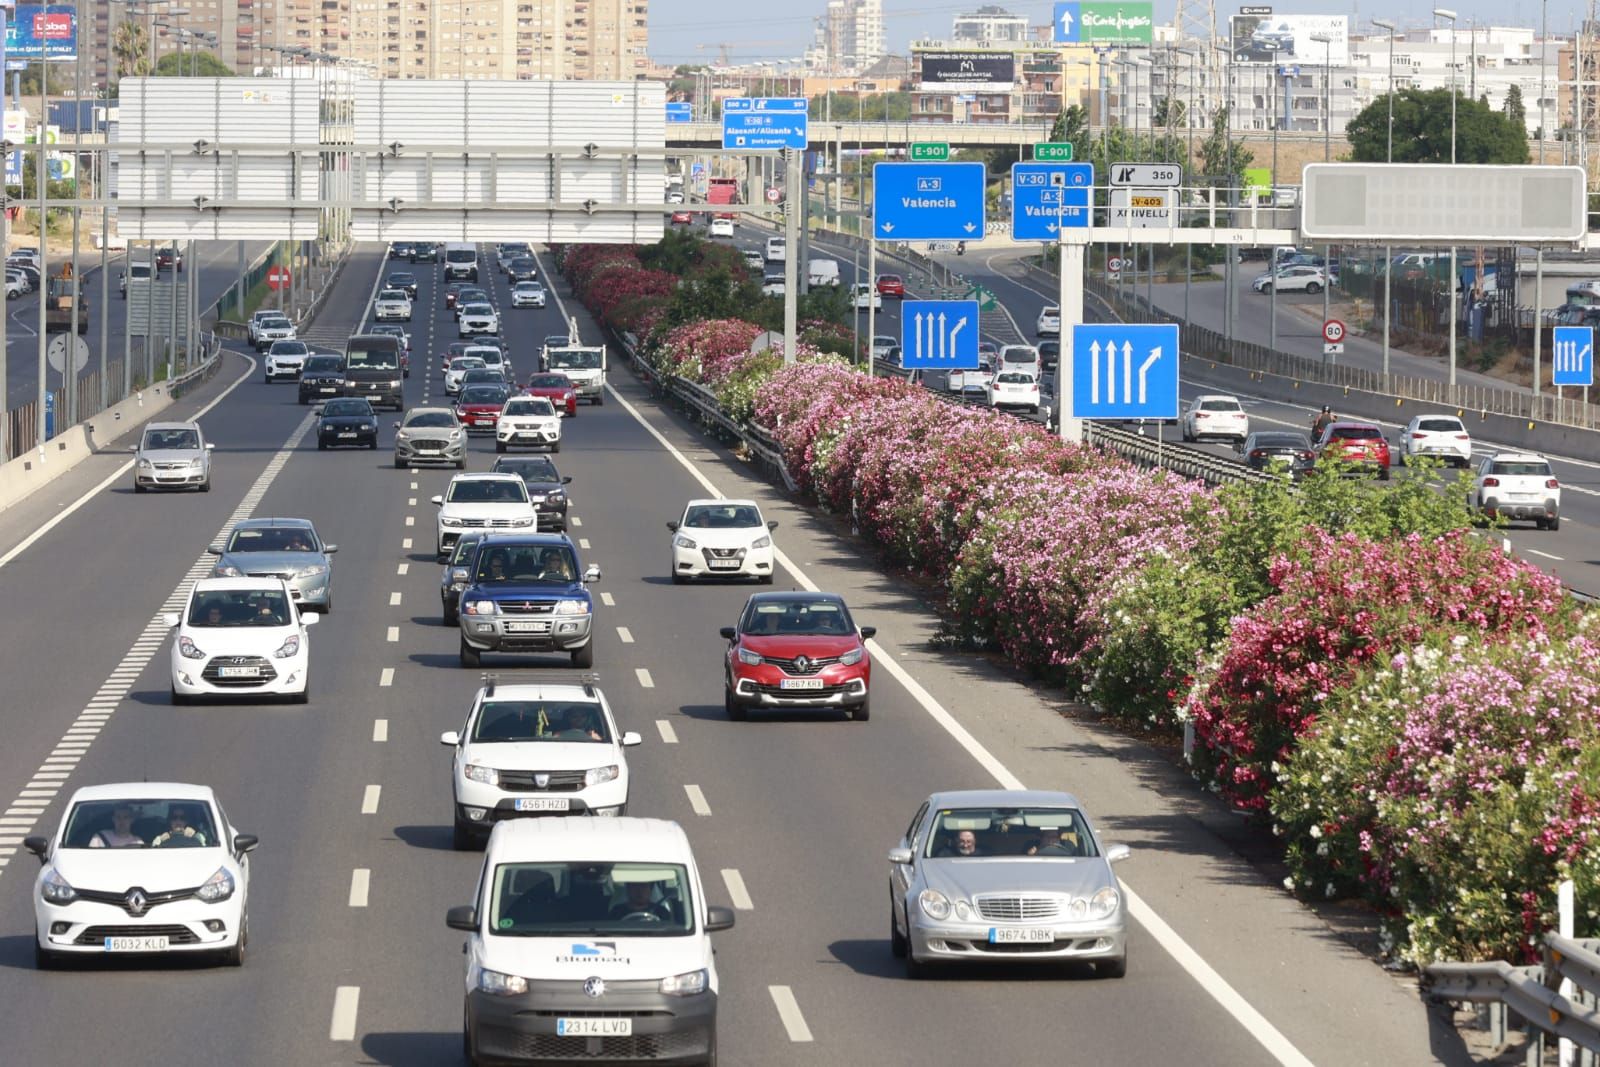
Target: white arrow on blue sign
(1572,356)
(927,201)
(765,124)
(939,334)
(1047,198)
(1124,372)
(1066,24)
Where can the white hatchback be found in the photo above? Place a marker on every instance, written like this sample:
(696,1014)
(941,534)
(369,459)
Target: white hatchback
(1441,436)
(722,538)
(1215,416)
(866,296)
(240,637)
(1013,389)
(1049,324)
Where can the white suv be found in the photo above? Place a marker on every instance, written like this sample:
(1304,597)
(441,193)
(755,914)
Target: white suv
(284,360)
(529,750)
(528,422)
(488,502)
(1519,485)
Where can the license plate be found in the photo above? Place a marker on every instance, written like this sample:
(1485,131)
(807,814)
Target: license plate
(800,683)
(344,435)
(539,627)
(427,451)
(1523,496)
(328,389)
(1025,936)
(238,672)
(484,422)
(136,944)
(543,804)
(594,1027)
(723,564)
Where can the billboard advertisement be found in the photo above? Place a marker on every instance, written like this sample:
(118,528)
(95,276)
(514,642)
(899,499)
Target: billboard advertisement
(42,31)
(954,72)
(1284,39)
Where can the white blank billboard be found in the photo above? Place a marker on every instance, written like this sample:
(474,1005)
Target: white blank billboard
(1441,204)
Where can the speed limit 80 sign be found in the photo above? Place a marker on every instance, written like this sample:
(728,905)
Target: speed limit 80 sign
(1333,331)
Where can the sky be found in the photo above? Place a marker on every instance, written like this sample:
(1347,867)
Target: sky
(689,31)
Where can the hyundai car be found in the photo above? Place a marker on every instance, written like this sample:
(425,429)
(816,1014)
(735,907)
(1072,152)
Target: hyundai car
(240,637)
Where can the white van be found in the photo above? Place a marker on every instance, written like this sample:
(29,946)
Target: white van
(777,248)
(461,260)
(1024,358)
(583,929)
(823,272)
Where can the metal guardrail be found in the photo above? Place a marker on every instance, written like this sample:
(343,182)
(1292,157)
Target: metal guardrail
(1532,993)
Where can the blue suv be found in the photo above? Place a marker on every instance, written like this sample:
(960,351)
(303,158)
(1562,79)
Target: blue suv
(525,593)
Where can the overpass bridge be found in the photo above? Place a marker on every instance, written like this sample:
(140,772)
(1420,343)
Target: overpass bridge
(701,136)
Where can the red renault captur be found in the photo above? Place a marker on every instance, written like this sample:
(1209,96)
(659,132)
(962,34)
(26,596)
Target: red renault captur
(797,650)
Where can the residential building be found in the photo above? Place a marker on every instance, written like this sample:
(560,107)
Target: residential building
(848,37)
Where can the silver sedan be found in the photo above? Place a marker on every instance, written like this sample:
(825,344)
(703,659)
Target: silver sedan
(1006,876)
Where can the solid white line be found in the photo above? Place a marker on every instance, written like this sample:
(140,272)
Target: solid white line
(1546,555)
(605,598)
(736,890)
(697,800)
(789,1012)
(624,635)
(387,677)
(345,1001)
(380,729)
(369,799)
(394,600)
(669,736)
(583,543)
(644,678)
(394,633)
(360,883)
(403,568)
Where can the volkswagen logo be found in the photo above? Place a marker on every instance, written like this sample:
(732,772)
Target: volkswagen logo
(594,987)
(136,902)
(541,780)
(802,664)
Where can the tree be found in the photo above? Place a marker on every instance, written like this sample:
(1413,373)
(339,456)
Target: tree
(193,64)
(1072,127)
(60,75)
(131,49)
(1513,108)
(1422,131)
(1220,156)
(1169,112)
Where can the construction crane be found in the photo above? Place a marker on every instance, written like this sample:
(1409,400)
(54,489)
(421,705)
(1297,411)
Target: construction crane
(725,47)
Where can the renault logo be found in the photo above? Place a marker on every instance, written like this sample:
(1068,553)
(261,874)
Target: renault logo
(802,664)
(594,987)
(137,902)
(541,780)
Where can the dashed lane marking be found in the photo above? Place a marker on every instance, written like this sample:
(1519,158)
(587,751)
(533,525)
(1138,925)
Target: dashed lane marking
(669,736)
(697,800)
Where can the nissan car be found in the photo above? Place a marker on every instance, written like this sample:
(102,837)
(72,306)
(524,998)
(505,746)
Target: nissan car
(722,539)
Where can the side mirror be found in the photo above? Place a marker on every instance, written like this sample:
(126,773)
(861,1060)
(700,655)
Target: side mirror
(213,550)
(1117,853)
(317,411)
(210,447)
(245,842)
(718,918)
(631,738)
(868,632)
(462,917)
(772,524)
(133,448)
(1238,446)
(39,846)
(171,618)
(567,480)
(450,737)
(436,501)
(592,574)
(673,526)
(728,633)
(899,856)
(458,574)
(397,424)
(329,550)
(309,618)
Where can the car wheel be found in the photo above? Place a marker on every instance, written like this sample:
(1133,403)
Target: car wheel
(461,464)
(584,657)
(897,940)
(599,400)
(915,968)
(450,617)
(139,487)
(1383,474)
(1554,523)
(1313,288)
(679,579)
(734,710)
(234,957)
(303,400)
(862,711)
(181,699)
(1115,968)
(765,579)
(399,464)
(205,486)
(322,446)
(556,447)
(45,959)
(460,837)
(499,446)
(302,697)
(470,657)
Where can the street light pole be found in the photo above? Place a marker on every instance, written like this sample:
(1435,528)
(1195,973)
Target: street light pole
(1455,281)
(1326,41)
(1388,251)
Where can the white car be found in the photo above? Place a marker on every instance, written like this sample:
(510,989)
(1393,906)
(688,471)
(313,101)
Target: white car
(883,345)
(1049,324)
(493,358)
(1296,279)
(772,285)
(753,259)
(1013,389)
(1518,485)
(777,248)
(722,228)
(1215,416)
(1441,436)
(863,295)
(532,750)
(16,284)
(528,422)
(973,381)
(458,369)
(722,538)
(488,502)
(674,197)
(240,637)
(141,869)
(275,326)
(392,305)
(284,360)
(1024,358)
(527,295)
(478,318)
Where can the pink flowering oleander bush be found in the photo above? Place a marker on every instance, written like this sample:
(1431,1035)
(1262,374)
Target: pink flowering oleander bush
(1454,785)
(1336,606)
(705,351)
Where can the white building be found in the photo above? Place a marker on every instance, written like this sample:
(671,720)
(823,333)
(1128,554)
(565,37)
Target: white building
(1488,61)
(848,39)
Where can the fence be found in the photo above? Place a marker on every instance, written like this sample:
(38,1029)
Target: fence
(1534,994)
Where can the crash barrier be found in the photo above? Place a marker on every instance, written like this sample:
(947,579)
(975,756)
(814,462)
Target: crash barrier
(1532,994)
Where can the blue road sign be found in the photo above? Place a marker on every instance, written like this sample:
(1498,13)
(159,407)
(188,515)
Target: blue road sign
(1067,24)
(1047,198)
(1124,372)
(927,201)
(1288,72)
(679,111)
(939,334)
(1572,356)
(765,123)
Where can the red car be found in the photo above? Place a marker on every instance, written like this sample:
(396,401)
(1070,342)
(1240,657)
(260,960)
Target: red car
(556,388)
(452,291)
(891,285)
(1356,442)
(797,650)
(478,407)
(680,217)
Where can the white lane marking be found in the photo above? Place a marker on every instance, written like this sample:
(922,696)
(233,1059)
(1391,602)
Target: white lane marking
(576,521)
(406,544)
(345,1001)
(394,633)
(369,799)
(697,800)
(380,730)
(605,598)
(387,677)
(402,569)
(411,502)
(411,520)
(1546,555)
(644,677)
(360,884)
(623,635)
(394,600)
(789,1011)
(413,486)
(669,736)
(736,890)
(583,543)
(1206,976)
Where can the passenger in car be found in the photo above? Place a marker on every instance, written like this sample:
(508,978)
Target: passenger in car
(1056,842)
(120,833)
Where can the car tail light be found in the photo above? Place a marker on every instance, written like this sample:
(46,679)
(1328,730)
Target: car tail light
(1491,483)
(1462,437)
(1418,436)
(1256,453)
(1308,455)
(1551,483)
(1201,415)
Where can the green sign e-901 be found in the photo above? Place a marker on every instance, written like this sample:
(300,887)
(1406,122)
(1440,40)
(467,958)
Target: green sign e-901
(929,152)
(1053,152)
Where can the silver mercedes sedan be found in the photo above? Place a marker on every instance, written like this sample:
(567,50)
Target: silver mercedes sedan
(281,548)
(1006,876)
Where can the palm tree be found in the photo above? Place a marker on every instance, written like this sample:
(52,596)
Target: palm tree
(131,49)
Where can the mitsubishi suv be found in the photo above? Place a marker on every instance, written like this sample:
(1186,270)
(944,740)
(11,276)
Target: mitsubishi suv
(525,593)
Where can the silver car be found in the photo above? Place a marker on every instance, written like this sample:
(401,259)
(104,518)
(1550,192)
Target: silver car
(280,548)
(430,435)
(172,455)
(1006,876)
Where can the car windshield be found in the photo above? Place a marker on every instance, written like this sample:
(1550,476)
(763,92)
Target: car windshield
(1019,355)
(528,563)
(399,280)
(335,409)
(1440,426)
(428,419)
(540,720)
(272,539)
(460,255)
(580,358)
(144,822)
(549,381)
(722,517)
(170,439)
(479,309)
(492,357)
(482,374)
(1280,440)
(323,363)
(1015,378)
(530,469)
(393,294)
(529,287)
(277,322)
(377,354)
(1220,405)
(1009,833)
(522,263)
(288,348)
(484,394)
(233,608)
(798,616)
(487,491)
(529,405)
(466,363)
(1528,468)
(576,900)
(1355,433)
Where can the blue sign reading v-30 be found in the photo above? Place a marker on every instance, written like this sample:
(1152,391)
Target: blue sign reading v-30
(1047,198)
(928,201)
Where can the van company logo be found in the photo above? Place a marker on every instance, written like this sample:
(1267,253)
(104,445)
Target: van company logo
(593,952)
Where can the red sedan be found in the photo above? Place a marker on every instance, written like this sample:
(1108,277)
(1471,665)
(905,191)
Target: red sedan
(1356,442)
(891,285)
(478,407)
(797,650)
(452,291)
(682,217)
(556,388)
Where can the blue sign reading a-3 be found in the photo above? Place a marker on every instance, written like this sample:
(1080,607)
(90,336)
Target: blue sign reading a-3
(765,123)
(1572,356)
(939,334)
(1047,198)
(927,201)
(1124,372)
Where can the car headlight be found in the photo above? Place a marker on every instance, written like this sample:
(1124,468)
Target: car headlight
(597,775)
(455,435)
(480,607)
(290,647)
(314,569)
(934,904)
(55,890)
(762,542)
(851,658)
(368,426)
(557,496)
(189,649)
(394,384)
(1104,903)
(144,464)
(218,887)
(196,464)
(486,775)
(529,521)
(749,658)
(499,984)
(689,984)
(452,523)
(681,541)
(572,607)
(226,570)
(402,435)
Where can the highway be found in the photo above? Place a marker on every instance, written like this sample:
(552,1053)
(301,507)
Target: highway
(790,817)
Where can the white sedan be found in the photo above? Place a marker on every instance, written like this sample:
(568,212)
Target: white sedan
(722,538)
(529,294)
(1215,416)
(141,869)
(1013,389)
(864,296)
(392,305)
(478,318)
(1441,436)
(240,637)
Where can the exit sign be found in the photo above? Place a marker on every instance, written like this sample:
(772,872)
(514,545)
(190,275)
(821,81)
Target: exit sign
(930,152)
(1053,152)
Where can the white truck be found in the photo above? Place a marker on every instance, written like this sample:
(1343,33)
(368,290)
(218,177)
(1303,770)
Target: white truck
(585,365)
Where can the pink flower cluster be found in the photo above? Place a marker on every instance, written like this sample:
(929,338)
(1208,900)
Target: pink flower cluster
(706,351)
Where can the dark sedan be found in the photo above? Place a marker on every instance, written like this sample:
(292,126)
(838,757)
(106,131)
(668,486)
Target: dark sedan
(522,269)
(320,377)
(547,487)
(400,250)
(424,252)
(1279,449)
(347,421)
(405,281)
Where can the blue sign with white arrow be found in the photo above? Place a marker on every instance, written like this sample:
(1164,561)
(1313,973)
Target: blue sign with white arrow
(939,334)
(927,201)
(765,123)
(1124,372)
(1572,356)
(1067,24)
(679,111)
(1047,198)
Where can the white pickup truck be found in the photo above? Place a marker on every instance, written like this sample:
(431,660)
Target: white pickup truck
(585,365)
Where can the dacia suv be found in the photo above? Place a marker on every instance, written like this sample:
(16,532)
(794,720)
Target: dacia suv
(526,593)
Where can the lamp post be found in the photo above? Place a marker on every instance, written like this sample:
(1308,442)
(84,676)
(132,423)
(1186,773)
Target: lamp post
(1326,41)
(1455,282)
(1388,251)
(1544,65)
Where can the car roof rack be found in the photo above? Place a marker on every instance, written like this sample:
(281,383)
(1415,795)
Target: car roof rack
(590,680)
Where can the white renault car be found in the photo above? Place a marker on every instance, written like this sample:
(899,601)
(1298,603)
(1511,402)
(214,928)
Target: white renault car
(141,869)
(392,305)
(1215,416)
(722,538)
(528,422)
(240,637)
(530,750)
(488,502)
